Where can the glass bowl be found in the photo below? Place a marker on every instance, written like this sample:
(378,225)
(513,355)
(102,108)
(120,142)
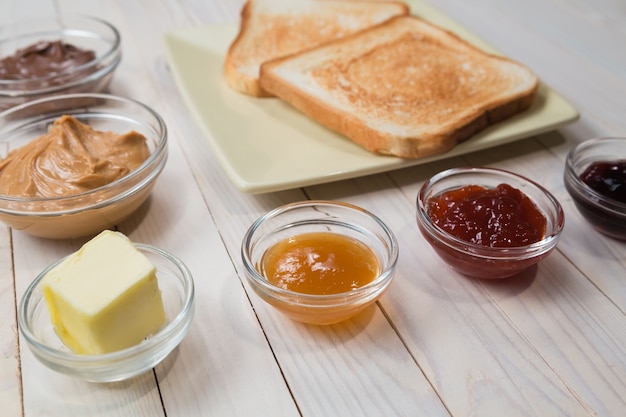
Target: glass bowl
(605,214)
(85,32)
(481,261)
(319,216)
(177,291)
(92,211)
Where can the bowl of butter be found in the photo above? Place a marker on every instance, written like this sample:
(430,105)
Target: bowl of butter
(109,311)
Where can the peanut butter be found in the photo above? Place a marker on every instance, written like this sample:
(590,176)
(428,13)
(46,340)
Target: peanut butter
(71,158)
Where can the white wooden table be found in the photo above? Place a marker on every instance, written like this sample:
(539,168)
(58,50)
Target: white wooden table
(437,344)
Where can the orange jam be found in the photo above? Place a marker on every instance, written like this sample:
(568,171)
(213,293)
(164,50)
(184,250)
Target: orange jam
(319,263)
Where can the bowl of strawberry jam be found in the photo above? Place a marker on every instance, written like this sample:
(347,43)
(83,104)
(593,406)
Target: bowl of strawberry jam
(595,177)
(488,223)
(319,262)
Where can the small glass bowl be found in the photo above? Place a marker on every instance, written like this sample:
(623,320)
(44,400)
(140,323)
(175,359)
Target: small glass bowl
(85,32)
(177,291)
(605,214)
(319,216)
(482,261)
(92,211)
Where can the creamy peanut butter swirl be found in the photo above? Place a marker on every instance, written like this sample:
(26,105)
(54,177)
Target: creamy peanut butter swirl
(71,158)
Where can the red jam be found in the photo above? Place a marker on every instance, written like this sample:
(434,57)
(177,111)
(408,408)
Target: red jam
(494,217)
(607,178)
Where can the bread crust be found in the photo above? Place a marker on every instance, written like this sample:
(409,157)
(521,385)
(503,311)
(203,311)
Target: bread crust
(235,78)
(360,123)
(265,26)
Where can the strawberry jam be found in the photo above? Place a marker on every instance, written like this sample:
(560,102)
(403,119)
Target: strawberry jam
(495,217)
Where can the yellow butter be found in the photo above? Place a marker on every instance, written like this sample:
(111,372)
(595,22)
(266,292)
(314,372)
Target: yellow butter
(104,297)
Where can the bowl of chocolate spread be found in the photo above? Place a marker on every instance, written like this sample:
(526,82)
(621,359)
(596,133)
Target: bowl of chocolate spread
(56,55)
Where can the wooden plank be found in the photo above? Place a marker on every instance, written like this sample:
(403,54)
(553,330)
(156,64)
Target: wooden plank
(10,371)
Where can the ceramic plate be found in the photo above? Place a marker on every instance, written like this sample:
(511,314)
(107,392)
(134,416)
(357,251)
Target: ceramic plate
(265,145)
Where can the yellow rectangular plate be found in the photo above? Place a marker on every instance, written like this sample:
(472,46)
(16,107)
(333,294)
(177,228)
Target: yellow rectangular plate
(265,145)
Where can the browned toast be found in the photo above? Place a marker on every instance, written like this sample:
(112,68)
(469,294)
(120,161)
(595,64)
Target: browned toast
(404,87)
(274,28)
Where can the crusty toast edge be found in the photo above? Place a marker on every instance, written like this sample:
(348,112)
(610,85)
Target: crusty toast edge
(234,78)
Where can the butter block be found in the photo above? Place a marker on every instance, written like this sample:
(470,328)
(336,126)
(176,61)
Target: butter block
(104,297)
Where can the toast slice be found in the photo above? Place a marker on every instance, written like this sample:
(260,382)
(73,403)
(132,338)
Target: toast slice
(274,28)
(405,87)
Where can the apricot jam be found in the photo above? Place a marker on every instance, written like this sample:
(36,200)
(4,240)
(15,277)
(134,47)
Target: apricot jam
(496,217)
(607,178)
(319,263)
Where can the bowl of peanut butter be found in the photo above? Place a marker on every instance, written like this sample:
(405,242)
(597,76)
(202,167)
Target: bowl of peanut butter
(76,164)
(60,54)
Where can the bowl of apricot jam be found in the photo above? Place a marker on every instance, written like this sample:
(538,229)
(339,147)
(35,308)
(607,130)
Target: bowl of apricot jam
(595,177)
(319,262)
(488,223)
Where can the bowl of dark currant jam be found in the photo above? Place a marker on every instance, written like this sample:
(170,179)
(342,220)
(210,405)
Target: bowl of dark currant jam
(595,177)
(488,223)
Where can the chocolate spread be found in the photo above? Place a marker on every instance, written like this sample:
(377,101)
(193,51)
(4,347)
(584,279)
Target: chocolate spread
(71,158)
(46,59)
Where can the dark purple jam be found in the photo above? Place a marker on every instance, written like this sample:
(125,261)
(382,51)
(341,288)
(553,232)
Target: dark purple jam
(607,178)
